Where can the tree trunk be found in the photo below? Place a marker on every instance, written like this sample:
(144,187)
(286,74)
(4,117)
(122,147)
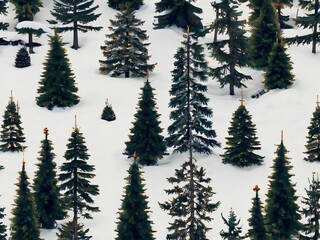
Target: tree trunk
(232,65)
(215,37)
(30,43)
(75,36)
(315,26)
(75,205)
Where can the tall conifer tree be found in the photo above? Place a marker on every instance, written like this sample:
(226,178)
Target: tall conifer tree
(145,138)
(236,57)
(125,4)
(3,11)
(49,207)
(233,232)
(75,175)
(57,84)
(125,52)
(282,212)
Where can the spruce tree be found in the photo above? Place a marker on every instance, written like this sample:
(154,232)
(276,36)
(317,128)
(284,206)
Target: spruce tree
(279,5)
(133,222)
(3,11)
(257,229)
(242,141)
(22,58)
(108,113)
(12,134)
(57,84)
(145,138)
(263,35)
(236,56)
(181,13)
(125,4)
(187,91)
(24,224)
(310,21)
(74,15)
(75,175)
(3,228)
(26,9)
(313,138)
(255,6)
(125,51)
(49,206)
(66,232)
(282,212)
(311,211)
(278,71)
(233,232)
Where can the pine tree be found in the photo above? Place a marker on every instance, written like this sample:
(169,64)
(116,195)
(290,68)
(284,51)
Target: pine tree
(125,4)
(242,141)
(255,6)
(187,93)
(313,138)
(75,15)
(75,175)
(24,224)
(3,11)
(133,222)
(57,84)
(181,13)
(49,206)
(3,228)
(312,210)
(280,4)
(22,58)
(310,21)
(234,230)
(282,212)
(263,35)
(227,73)
(278,71)
(66,232)
(257,229)
(26,9)
(145,138)
(11,134)
(108,113)
(125,52)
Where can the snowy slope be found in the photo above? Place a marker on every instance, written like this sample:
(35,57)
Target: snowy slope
(289,110)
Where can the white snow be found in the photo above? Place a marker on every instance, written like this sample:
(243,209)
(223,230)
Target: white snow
(289,110)
(33,25)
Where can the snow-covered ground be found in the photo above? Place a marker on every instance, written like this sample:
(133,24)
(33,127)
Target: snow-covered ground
(289,110)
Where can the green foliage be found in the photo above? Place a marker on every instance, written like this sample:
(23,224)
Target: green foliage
(236,56)
(255,6)
(187,91)
(125,52)
(24,224)
(25,9)
(181,13)
(133,222)
(22,58)
(11,134)
(234,230)
(66,232)
(145,138)
(125,4)
(49,206)
(311,211)
(282,212)
(242,141)
(3,11)
(278,71)
(57,84)
(188,197)
(313,144)
(108,113)
(263,35)
(257,229)
(3,228)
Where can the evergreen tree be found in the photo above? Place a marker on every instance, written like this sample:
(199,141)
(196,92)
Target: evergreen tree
(237,45)
(133,222)
(282,212)
(187,93)
(181,13)
(75,15)
(66,232)
(108,113)
(280,4)
(213,27)
(263,35)
(125,4)
(255,6)
(26,9)
(145,138)
(125,52)
(310,21)
(257,229)
(11,134)
(234,230)
(313,138)
(49,207)
(24,224)
(22,58)
(57,85)
(3,11)
(3,228)
(75,175)
(312,210)
(278,71)
(242,141)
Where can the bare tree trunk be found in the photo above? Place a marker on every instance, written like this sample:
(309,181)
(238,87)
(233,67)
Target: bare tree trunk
(315,26)
(30,43)
(215,37)
(75,36)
